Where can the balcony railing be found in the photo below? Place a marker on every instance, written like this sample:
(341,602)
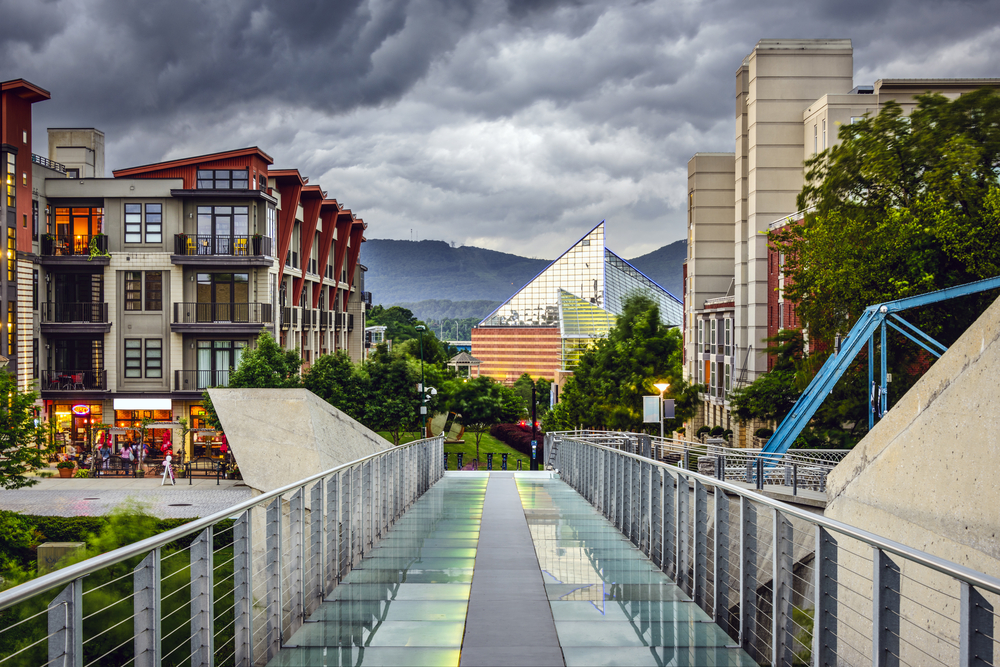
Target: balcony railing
(72,244)
(324,320)
(74,380)
(229,246)
(55,312)
(222,313)
(200,380)
(51,164)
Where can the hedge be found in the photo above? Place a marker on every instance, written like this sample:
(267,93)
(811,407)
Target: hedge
(517,437)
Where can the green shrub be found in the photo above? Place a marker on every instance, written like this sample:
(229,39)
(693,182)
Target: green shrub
(716,431)
(703,429)
(764,432)
(62,465)
(81,474)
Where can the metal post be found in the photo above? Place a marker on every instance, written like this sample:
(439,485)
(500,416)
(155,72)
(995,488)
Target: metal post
(700,545)
(720,468)
(344,526)
(146,608)
(871,379)
(332,533)
(976,629)
(65,621)
(781,590)
(317,542)
(296,561)
(795,479)
(760,473)
(824,643)
(748,571)
(885,609)
(669,566)
(720,556)
(656,516)
(884,394)
(202,600)
(645,485)
(683,531)
(243,589)
(272,559)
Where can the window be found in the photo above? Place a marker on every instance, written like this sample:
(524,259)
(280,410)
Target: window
(72,173)
(781,316)
(701,373)
(701,334)
(133,223)
(154,223)
(272,228)
(133,291)
(48,219)
(34,358)
(11,255)
(261,182)
(216,358)
(712,381)
(824,133)
(133,357)
(154,358)
(711,332)
(34,219)
(154,290)
(815,140)
(9,181)
(223,230)
(11,329)
(223,179)
(729,337)
(728,385)
(34,289)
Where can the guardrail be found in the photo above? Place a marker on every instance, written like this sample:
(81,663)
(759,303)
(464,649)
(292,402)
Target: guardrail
(797,469)
(227,589)
(791,587)
(222,313)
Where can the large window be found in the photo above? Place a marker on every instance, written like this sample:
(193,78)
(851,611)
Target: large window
(133,223)
(222,297)
(154,358)
(223,230)
(10,182)
(223,179)
(133,357)
(12,255)
(75,226)
(216,358)
(135,361)
(154,290)
(133,291)
(154,223)
(11,329)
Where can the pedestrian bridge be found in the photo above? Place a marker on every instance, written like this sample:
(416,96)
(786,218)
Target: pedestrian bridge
(616,559)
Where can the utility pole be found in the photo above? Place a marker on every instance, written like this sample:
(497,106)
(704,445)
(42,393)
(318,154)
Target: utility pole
(534,442)
(423,395)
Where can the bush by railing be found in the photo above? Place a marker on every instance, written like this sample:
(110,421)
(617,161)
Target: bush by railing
(516,436)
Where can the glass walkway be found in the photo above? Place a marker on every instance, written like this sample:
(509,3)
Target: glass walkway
(507,569)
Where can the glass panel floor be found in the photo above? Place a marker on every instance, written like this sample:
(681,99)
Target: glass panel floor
(406,602)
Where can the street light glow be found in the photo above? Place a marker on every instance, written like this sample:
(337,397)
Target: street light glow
(661,386)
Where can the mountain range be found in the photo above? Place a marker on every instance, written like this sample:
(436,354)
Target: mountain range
(410,273)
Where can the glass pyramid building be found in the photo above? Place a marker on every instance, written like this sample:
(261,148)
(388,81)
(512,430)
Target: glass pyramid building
(580,294)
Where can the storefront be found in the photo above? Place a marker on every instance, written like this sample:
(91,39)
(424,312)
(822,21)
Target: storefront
(205,441)
(75,423)
(131,414)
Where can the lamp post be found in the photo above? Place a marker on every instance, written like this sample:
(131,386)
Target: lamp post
(423,400)
(661,387)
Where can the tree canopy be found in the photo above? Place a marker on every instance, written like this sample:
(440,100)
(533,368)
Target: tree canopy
(482,402)
(20,440)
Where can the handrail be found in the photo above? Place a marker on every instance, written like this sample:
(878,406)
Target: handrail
(91,565)
(936,563)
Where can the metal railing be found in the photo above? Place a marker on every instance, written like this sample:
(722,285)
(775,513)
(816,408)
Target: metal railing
(798,468)
(50,164)
(222,313)
(72,244)
(74,380)
(227,589)
(236,245)
(789,586)
(200,380)
(69,312)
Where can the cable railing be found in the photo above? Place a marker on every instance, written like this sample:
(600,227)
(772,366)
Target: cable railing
(797,468)
(788,586)
(228,589)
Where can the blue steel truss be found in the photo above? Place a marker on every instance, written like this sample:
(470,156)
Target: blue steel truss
(875,319)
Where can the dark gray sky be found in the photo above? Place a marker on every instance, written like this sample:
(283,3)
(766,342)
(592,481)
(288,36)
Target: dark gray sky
(512,125)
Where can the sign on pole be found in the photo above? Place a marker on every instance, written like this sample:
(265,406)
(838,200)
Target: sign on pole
(650,409)
(668,408)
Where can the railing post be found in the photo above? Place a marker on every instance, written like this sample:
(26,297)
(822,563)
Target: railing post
(243,590)
(669,566)
(202,600)
(357,513)
(656,516)
(635,498)
(683,533)
(748,571)
(317,542)
(824,643)
(720,556)
(645,531)
(976,629)
(65,621)
(273,562)
(296,560)
(700,545)
(344,525)
(146,609)
(885,609)
(781,590)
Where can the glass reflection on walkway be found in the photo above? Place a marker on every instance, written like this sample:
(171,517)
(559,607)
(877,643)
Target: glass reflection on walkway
(610,604)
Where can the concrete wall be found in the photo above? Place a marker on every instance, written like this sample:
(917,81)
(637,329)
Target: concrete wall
(280,436)
(926,476)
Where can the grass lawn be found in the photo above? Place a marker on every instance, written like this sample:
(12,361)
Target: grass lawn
(487,444)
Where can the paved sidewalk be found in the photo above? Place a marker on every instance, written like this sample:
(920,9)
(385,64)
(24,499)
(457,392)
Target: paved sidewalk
(94,497)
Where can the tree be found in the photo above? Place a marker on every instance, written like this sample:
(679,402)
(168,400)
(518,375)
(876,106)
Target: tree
(773,394)
(617,371)
(20,441)
(336,380)
(523,387)
(482,403)
(267,366)
(391,402)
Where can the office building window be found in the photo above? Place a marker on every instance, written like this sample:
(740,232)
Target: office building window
(154,223)
(11,255)
(11,186)
(154,358)
(133,223)
(133,291)
(133,357)
(223,179)
(154,290)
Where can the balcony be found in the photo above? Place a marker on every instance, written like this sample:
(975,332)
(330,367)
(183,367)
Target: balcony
(307,318)
(289,318)
(75,317)
(196,317)
(69,381)
(238,250)
(199,381)
(324,320)
(70,249)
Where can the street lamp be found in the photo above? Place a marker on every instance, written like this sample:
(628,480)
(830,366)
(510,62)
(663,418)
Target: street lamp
(661,387)
(423,404)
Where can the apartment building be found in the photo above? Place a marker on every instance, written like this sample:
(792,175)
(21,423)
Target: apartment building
(127,296)
(791,97)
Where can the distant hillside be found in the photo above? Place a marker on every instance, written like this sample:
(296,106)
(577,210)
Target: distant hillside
(665,266)
(409,271)
(435,280)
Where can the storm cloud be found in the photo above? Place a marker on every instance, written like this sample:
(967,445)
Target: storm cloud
(511,125)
